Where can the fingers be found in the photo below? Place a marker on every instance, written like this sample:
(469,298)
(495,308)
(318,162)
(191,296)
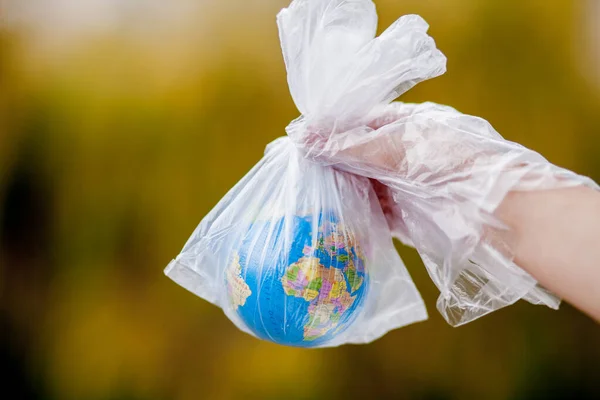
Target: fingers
(422,143)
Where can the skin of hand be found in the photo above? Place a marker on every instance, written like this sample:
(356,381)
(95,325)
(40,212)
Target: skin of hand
(556,238)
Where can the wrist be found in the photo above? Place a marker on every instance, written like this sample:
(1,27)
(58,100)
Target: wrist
(553,238)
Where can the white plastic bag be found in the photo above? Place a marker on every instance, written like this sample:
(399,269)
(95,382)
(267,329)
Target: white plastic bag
(299,252)
(301,255)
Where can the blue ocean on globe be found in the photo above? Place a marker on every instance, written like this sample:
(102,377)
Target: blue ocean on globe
(303,294)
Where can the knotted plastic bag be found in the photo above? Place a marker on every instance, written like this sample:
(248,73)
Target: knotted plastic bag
(300,253)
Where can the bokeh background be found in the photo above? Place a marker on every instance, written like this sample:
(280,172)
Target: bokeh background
(123,122)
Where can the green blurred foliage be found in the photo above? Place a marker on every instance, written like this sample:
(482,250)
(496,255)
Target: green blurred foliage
(113,148)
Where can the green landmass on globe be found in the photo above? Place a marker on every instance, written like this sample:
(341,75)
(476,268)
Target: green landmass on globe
(325,289)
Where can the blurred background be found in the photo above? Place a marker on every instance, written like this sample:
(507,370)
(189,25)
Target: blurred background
(123,122)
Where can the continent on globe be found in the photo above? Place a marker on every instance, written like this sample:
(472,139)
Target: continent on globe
(354,279)
(237,290)
(325,289)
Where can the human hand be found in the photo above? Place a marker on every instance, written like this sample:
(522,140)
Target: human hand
(440,176)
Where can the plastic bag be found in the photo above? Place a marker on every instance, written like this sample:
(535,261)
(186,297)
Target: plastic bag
(301,255)
(299,252)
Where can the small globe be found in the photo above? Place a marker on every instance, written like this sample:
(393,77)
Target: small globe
(293,289)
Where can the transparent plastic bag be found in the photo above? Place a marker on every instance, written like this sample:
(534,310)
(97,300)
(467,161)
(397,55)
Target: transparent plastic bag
(308,212)
(297,252)
(301,255)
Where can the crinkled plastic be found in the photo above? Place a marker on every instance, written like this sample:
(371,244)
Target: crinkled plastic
(300,252)
(294,240)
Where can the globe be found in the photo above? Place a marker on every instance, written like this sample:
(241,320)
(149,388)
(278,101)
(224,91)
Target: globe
(297,281)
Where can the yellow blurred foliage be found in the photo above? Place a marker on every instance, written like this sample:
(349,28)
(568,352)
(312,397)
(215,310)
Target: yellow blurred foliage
(135,134)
